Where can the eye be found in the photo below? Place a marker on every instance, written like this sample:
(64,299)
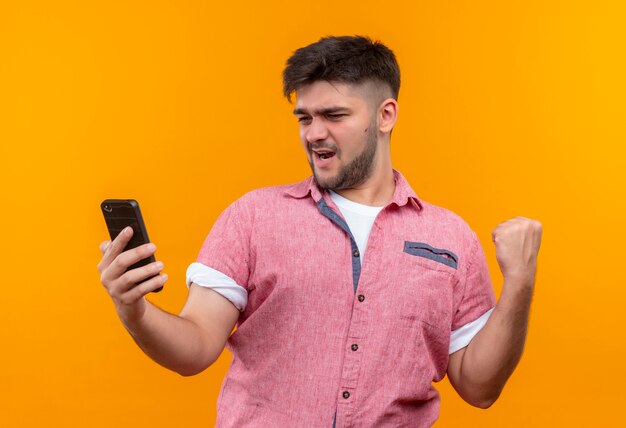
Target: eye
(335,116)
(304,120)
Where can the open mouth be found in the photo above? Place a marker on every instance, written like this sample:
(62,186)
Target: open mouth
(325,154)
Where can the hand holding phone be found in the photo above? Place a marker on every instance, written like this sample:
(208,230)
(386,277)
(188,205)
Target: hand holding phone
(128,268)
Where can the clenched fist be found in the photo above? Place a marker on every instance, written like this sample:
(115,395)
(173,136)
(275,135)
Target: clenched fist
(517,244)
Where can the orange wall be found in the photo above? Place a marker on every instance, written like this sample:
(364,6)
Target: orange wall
(507,108)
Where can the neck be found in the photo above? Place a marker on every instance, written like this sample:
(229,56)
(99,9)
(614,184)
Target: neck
(377,190)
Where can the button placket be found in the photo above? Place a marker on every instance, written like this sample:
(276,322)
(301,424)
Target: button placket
(352,360)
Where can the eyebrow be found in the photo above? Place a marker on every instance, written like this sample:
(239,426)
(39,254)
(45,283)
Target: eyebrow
(322,111)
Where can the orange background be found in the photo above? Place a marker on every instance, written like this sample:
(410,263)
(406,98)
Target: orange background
(507,108)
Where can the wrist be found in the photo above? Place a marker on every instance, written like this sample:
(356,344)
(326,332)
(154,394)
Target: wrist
(132,315)
(519,281)
(516,293)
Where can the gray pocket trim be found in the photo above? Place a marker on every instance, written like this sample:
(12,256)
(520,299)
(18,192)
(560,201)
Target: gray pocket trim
(440,255)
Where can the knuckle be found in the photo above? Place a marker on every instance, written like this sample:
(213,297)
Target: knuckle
(119,262)
(126,298)
(103,279)
(104,246)
(113,294)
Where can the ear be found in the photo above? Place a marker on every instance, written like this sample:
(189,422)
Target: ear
(387,115)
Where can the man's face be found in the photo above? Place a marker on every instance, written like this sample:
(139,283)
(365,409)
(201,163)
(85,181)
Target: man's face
(338,132)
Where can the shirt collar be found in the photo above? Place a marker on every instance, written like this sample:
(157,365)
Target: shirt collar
(402,195)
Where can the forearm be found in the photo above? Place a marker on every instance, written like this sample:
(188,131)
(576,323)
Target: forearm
(186,343)
(493,354)
(172,341)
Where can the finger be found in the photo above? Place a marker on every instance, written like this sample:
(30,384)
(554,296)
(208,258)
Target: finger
(127,280)
(104,245)
(116,247)
(140,274)
(128,258)
(140,290)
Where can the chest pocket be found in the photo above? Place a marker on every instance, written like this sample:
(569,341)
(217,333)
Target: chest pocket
(429,284)
(426,251)
(425,304)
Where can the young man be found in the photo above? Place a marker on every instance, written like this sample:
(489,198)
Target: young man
(350,294)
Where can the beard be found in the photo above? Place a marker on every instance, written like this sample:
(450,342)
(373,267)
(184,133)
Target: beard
(354,173)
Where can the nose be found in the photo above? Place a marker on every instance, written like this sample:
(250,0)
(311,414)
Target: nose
(316,131)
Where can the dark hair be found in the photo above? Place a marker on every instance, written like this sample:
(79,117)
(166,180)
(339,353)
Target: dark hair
(346,59)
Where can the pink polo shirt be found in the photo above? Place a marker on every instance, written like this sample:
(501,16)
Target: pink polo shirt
(324,340)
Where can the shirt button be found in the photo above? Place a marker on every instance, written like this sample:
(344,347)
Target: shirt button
(346,394)
(361,297)
(354,347)
(356,253)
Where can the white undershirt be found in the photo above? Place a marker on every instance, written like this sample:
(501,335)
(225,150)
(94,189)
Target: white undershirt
(360,219)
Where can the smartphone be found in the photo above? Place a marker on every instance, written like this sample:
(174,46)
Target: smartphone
(121,213)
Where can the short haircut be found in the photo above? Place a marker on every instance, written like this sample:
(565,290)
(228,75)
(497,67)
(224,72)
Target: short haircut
(345,59)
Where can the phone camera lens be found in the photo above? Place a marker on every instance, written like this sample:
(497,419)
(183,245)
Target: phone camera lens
(107,208)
